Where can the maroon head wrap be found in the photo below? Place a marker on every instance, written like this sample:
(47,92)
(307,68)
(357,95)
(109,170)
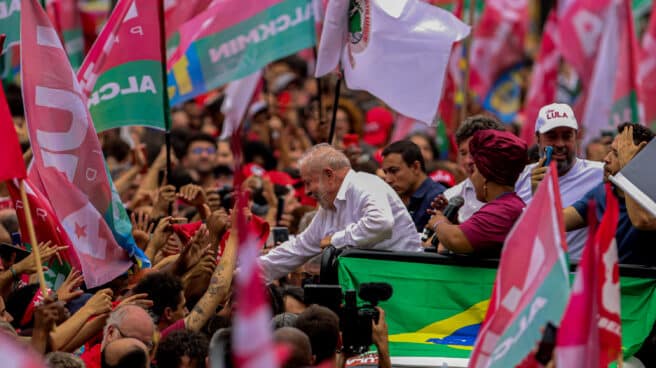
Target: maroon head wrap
(499,156)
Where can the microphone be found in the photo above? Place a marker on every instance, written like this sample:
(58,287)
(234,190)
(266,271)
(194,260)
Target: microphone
(451,209)
(450,212)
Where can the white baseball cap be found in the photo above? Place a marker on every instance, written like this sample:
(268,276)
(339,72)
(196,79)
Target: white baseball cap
(554,116)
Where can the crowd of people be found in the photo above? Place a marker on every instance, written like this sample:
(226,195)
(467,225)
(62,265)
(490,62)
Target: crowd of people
(361,190)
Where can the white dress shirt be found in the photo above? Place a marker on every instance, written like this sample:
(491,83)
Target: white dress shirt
(465,189)
(584,176)
(368,215)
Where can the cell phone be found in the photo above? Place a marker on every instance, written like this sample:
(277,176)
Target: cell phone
(548,151)
(546,347)
(280,235)
(350,140)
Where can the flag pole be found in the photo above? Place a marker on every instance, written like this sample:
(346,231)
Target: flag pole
(338,87)
(165,95)
(32,235)
(468,43)
(318,81)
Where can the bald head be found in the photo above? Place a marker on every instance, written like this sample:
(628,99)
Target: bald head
(125,352)
(297,340)
(323,169)
(129,321)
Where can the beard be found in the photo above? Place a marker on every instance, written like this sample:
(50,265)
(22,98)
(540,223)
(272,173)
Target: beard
(565,165)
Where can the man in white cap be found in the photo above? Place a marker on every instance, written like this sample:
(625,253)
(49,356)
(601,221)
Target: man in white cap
(556,126)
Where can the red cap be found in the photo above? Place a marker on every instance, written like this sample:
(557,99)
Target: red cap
(378,126)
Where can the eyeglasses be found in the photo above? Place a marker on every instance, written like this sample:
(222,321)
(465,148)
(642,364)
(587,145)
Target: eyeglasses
(200,150)
(149,344)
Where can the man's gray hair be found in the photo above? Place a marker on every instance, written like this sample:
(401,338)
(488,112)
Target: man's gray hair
(324,155)
(116,317)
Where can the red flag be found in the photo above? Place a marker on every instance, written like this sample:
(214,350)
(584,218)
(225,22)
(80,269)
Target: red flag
(498,42)
(67,155)
(65,17)
(10,151)
(647,71)
(532,283)
(47,228)
(590,332)
(544,78)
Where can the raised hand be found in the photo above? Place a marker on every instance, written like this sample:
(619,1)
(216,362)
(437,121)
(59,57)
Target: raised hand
(70,288)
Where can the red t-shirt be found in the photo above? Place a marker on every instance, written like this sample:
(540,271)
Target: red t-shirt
(177,325)
(91,357)
(488,227)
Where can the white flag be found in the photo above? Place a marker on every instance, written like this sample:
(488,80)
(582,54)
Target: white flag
(397,50)
(238,96)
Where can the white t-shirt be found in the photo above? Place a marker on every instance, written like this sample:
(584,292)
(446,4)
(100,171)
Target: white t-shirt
(465,189)
(584,176)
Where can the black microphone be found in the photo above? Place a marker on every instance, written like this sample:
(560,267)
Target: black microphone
(450,212)
(451,209)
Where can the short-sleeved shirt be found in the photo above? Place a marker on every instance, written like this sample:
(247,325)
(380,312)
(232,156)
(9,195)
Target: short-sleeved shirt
(584,176)
(486,229)
(466,190)
(634,246)
(421,200)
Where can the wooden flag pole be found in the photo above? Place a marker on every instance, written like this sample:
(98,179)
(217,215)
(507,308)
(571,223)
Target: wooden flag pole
(32,234)
(468,43)
(338,87)
(165,95)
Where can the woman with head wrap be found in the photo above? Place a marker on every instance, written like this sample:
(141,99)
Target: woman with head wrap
(499,158)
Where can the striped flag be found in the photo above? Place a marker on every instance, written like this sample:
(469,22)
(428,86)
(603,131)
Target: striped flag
(68,165)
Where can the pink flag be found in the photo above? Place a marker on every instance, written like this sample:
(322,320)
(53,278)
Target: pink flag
(252,337)
(10,151)
(590,332)
(612,91)
(498,42)
(17,355)
(647,71)
(67,155)
(177,12)
(532,283)
(238,96)
(581,24)
(544,78)
(65,17)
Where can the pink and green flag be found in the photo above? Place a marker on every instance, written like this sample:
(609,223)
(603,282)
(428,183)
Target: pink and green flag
(122,74)
(532,283)
(10,22)
(68,166)
(215,49)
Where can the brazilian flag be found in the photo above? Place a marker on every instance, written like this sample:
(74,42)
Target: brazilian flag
(439,303)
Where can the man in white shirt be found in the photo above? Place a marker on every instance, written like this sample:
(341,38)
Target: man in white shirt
(465,188)
(356,210)
(556,126)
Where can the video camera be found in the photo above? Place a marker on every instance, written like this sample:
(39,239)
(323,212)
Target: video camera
(355,322)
